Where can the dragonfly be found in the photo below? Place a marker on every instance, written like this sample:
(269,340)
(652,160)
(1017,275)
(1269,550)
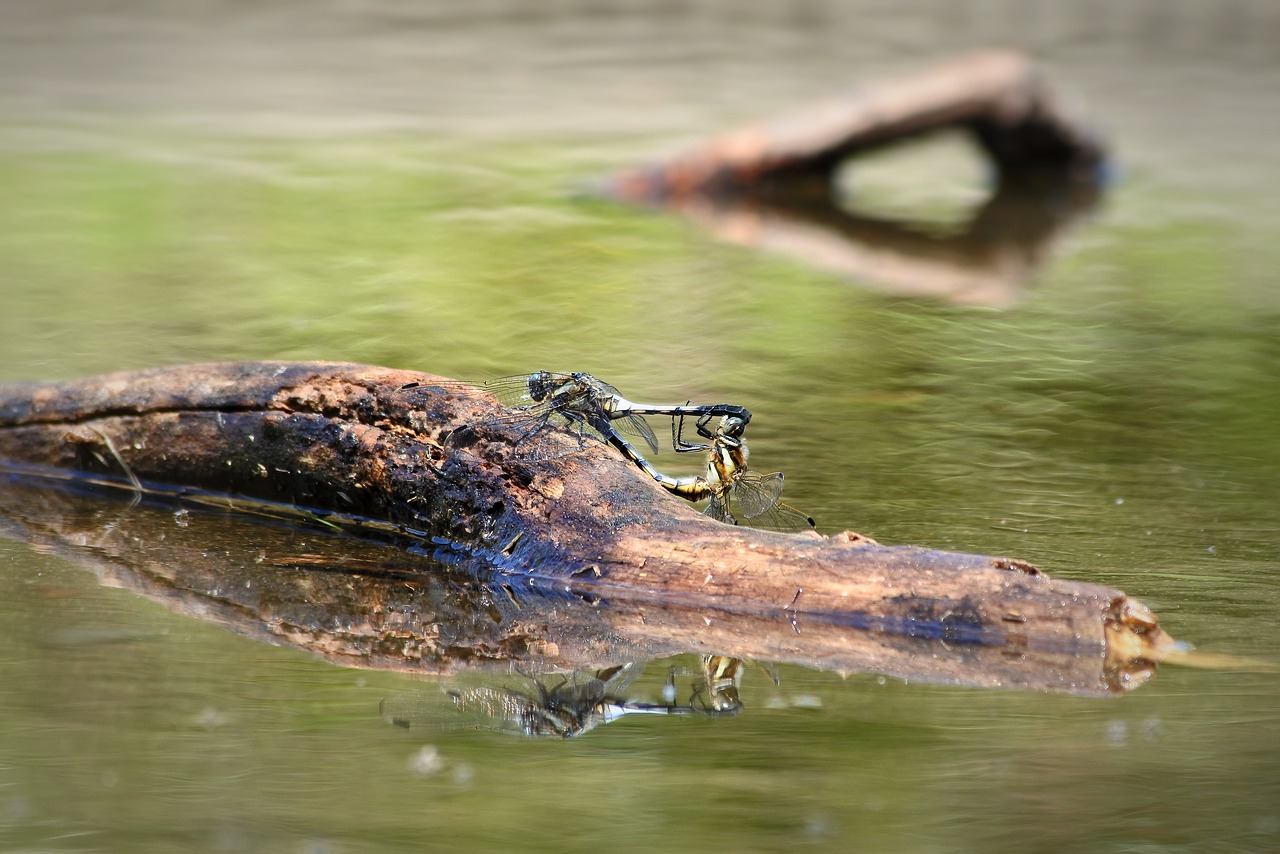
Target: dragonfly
(583,401)
(728,482)
(718,692)
(572,706)
(722,675)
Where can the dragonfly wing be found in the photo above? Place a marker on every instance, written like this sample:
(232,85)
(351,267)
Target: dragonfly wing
(607,388)
(510,391)
(783,517)
(480,708)
(718,509)
(756,493)
(527,414)
(637,426)
(498,709)
(513,394)
(616,680)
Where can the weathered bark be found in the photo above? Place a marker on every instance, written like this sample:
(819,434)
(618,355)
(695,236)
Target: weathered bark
(553,515)
(997,95)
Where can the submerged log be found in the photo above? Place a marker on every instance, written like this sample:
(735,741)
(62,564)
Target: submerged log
(998,96)
(550,514)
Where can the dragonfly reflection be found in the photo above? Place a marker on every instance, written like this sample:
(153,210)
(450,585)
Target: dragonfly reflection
(722,676)
(717,692)
(576,703)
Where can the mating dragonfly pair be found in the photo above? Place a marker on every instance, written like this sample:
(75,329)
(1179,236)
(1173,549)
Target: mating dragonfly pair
(571,705)
(728,485)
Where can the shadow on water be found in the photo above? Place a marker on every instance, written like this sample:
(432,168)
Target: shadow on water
(553,665)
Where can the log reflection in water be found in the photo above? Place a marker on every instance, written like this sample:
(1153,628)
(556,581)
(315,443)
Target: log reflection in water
(990,259)
(360,603)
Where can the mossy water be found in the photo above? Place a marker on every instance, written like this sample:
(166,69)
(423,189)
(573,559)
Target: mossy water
(1117,424)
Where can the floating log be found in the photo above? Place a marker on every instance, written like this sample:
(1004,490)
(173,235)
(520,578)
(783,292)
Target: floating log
(998,96)
(551,515)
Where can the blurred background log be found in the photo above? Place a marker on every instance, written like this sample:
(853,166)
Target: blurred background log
(998,96)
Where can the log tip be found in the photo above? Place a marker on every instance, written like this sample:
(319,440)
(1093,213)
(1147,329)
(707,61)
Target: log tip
(1135,643)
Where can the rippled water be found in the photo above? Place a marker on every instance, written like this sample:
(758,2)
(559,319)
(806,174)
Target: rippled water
(394,185)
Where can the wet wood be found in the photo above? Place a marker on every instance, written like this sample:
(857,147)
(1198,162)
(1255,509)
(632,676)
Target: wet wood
(998,96)
(555,515)
(363,604)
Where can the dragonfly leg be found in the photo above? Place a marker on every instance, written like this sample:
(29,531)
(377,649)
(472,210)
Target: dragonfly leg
(703,430)
(677,436)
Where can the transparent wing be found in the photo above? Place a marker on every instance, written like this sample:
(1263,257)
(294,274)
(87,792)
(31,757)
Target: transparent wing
(579,407)
(511,711)
(635,425)
(512,392)
(618,679)
(522,413)
(605,388)
(756,497)
(755,493)
(425,709)
(560,707)
(718,509)
(783,517)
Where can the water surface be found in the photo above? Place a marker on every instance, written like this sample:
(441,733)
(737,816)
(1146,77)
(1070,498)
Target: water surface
(368,183)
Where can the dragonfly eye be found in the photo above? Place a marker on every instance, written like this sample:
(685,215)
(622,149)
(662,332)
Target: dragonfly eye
(538,383)
(733,427)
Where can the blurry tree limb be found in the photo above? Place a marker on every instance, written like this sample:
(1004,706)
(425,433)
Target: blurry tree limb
(999,96)
(772,185)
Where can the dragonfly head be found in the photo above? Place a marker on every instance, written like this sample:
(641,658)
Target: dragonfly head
(541,385)
(731,429)
(545,385)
